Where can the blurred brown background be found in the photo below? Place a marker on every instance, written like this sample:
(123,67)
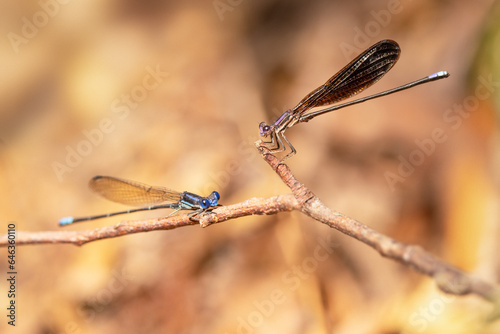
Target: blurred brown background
(171,93)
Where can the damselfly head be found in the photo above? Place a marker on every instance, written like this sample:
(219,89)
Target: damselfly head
(264,129)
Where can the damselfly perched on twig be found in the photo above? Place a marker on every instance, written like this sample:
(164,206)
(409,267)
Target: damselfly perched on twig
(356,76)
(135,193)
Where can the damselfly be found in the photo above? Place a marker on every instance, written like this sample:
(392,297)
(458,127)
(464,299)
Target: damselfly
(135,193)
(356,76)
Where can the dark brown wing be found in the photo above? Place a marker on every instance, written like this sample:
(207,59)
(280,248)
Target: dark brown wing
(356,76)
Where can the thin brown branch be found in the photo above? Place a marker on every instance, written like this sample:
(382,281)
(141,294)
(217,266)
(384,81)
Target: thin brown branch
(254,206)
(448,278)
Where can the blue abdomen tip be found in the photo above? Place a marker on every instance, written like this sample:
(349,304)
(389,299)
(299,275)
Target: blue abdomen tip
(439,74)
(65,221)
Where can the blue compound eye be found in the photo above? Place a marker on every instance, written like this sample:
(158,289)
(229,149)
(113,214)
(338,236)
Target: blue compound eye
(205,203)
(213,198)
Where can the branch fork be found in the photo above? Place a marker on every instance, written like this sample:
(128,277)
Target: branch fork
(448,278)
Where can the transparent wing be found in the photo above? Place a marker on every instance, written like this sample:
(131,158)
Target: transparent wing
(131,192)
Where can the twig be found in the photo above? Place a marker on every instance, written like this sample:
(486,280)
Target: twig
(448,278)
(253,206)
